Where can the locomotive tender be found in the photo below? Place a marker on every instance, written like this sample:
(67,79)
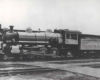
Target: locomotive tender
(58,43)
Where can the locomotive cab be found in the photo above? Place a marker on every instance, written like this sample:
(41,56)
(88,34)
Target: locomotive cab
(69,37)
(70,41)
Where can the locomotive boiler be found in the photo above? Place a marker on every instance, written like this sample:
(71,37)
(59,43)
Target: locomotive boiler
(31,38)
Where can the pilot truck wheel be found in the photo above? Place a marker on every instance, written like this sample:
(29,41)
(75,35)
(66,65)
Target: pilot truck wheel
(5,57)
(55,52)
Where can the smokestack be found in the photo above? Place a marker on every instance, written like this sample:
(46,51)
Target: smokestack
(11,28)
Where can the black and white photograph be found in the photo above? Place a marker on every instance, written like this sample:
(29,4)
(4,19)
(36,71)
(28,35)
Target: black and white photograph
(49,39)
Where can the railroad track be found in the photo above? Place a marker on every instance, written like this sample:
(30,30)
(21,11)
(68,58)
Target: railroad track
(25,71)
(71,60)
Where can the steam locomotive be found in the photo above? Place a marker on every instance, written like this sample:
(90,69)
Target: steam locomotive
(65,43)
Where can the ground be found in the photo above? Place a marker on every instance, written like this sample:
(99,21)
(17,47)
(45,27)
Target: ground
(51,75)
(50,70)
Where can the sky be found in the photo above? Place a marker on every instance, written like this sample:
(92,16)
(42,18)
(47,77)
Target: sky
(82,15)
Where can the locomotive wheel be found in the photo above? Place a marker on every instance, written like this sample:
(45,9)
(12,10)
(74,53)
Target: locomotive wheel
(43,50)
(5,57)
(54,52)
(30,56)
(69,54)
(20,57)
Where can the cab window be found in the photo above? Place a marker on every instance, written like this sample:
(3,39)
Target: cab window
(71,36)
(68,36)
(74,36)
